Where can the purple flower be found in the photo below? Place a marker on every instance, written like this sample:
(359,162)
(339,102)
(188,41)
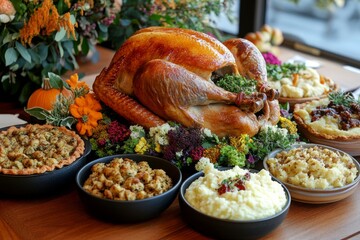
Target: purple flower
(118,132)
(271,59)
(101,142)
(196,153)
(251,159)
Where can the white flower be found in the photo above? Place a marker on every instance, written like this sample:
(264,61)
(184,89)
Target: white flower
(204,164)
(160,133)
(271,128)
(7,11)
(179,154)
(137,131)
(207,132)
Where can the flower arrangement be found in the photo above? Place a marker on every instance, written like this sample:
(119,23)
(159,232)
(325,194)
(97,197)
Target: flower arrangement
(137,14)
(80,108)
(41,36)
(109,134)
(186,146)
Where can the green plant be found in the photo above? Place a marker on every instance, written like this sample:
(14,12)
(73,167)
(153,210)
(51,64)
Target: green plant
(42,36)
(137,14)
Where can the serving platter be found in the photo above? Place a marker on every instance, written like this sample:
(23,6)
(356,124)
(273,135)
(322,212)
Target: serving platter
(43,184)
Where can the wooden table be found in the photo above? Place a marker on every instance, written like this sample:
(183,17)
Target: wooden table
(62,216)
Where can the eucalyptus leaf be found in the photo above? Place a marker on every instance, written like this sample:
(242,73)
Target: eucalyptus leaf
(7,38)
(11,56)
(37,112)
(23,51)
(61,50)
(55,81)
(43,52)
(67,122)
(103,27)
(60,34)
(34,56)
(25,92)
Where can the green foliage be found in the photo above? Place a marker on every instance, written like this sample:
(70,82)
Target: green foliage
(342,98)
(269,139)
(285,70)
(22,67)
(230,156)
(236,84)
(137,14)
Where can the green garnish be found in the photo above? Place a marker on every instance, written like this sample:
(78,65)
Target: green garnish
(342,98)
(285,70)
(270,138)
(236,84)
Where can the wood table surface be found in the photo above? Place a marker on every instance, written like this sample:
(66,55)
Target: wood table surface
(62,215)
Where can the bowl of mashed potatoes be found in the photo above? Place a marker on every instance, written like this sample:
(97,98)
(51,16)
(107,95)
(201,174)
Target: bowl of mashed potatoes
(301,86)
(314,173)
(233,203)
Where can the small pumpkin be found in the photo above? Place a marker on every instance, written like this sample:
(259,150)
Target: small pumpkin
(45,96)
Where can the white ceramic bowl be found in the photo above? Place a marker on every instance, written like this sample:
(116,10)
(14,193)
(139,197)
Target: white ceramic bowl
(318,196)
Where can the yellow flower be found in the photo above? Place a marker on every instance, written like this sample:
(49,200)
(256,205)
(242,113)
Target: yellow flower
(142,146)
(288,124)
(86,111)
(241,143)
(213,153)
(157,147)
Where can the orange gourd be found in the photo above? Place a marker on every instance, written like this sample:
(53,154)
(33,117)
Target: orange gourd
(46,96)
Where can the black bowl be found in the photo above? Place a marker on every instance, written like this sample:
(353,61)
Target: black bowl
(43,184)
(129,211)
(229,229)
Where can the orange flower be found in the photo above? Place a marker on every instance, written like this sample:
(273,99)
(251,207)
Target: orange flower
(86,110)
(46,20)
(80,88)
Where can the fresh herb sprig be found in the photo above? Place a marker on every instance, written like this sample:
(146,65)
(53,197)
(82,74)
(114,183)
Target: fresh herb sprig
(342,98)
(285,70)
(269,139)
(236,84)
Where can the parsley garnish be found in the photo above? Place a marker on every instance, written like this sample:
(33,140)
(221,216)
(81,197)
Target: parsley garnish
(236,84)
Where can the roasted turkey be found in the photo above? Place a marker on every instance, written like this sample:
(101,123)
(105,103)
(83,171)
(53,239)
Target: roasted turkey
(166,74)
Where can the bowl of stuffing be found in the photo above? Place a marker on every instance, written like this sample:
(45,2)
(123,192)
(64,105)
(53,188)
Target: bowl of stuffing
(314,173)
(39,160)
(228,203)
(128,188)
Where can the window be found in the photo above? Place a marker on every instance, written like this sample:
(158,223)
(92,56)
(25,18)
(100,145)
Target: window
(332,31)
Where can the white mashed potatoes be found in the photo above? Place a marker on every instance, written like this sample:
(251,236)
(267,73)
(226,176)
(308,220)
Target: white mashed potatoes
(261,198)
(307,84)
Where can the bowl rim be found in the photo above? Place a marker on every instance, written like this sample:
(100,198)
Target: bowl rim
(109,158)
(315,190)
(197,175)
